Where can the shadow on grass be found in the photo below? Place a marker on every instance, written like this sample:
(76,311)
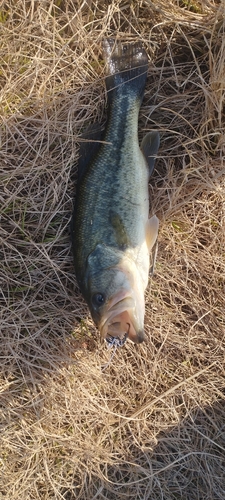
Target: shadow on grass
(187,463)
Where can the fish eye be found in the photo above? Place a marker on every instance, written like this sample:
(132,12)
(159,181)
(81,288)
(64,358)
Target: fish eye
(98,299)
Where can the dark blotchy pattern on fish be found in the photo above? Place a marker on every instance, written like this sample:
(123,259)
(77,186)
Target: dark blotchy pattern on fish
(126,95)
(111,233)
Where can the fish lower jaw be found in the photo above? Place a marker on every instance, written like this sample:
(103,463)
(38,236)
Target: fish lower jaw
(122,326)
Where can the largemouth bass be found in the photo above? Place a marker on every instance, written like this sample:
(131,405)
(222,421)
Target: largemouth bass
(112,235)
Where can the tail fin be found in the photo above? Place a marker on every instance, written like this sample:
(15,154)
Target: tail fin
(127,67)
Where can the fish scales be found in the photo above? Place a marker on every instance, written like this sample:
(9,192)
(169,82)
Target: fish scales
(111,253)
(123,183)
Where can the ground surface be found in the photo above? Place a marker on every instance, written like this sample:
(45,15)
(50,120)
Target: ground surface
(151,426)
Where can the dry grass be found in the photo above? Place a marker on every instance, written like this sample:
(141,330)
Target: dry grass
(151,426)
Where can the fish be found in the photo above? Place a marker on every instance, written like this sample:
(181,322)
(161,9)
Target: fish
(112,234)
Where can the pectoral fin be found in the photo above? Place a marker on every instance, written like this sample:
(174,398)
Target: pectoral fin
(152,228)
(151,239)
(149,147)
(153,256)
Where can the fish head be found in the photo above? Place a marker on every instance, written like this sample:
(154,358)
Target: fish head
(116,301)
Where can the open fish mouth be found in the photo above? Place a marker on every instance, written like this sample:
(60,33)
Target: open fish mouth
(119,324)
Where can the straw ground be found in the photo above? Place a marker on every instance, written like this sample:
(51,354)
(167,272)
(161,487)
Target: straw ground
(151,426)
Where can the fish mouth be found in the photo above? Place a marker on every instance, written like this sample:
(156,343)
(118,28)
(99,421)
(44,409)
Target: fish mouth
(122,327)
(120,322)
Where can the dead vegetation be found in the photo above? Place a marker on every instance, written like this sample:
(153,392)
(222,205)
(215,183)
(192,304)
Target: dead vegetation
(151,426)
